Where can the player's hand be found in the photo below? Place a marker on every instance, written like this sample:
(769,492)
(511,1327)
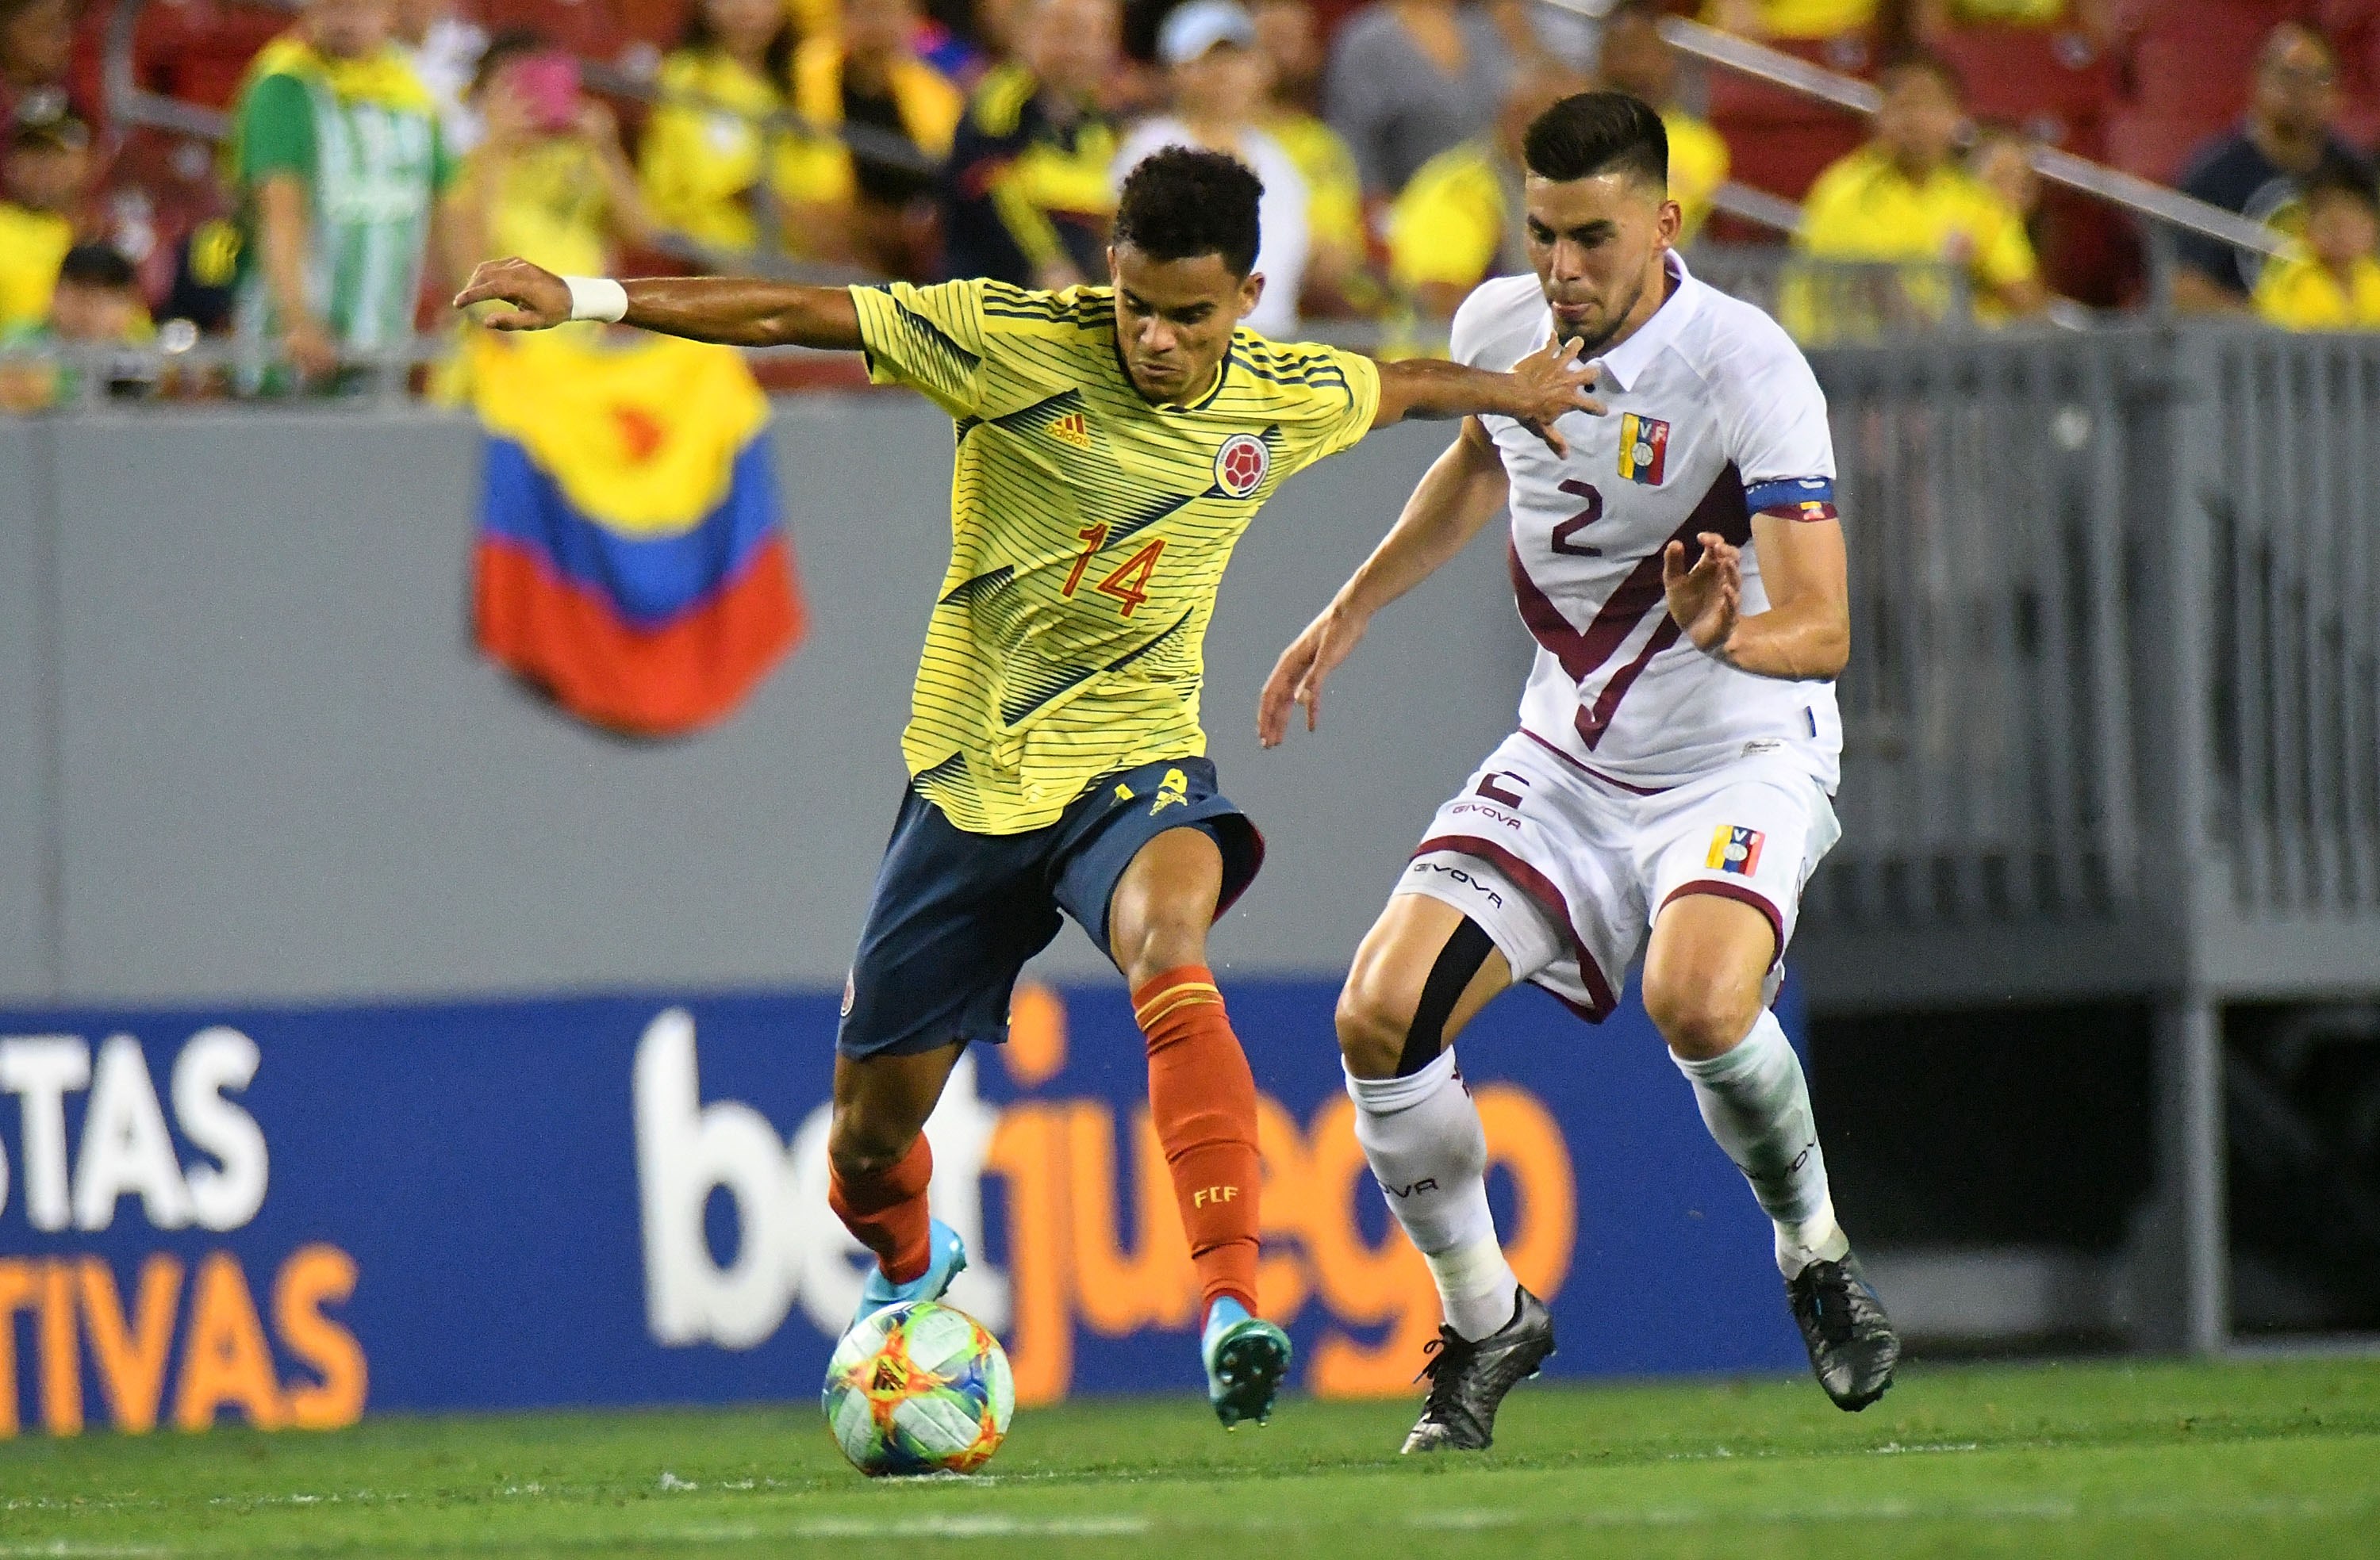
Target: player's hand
(1704,599)
(1553,384)
(1298,676)
(538,299)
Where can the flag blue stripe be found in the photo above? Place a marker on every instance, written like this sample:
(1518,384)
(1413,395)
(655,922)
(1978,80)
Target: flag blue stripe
(650,582)
(1789,490)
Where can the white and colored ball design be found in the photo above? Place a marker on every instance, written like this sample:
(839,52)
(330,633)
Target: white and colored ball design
(919,1388)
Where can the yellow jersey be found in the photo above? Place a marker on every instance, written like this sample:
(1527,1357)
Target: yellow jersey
(1864,208)
(32,246)
(1089,532)
(1334,200)
(2298,292)
(1807,19)
(1458,220)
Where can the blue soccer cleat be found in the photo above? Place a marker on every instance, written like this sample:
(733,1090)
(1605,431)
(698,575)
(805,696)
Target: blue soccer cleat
(1246,1359)
(949,1261)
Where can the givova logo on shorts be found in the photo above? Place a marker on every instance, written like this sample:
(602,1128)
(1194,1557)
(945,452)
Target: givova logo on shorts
(1734,849)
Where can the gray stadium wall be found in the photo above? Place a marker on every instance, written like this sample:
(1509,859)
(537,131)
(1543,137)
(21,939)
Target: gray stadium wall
(247,751)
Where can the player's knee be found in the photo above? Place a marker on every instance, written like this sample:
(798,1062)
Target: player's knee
(1374,1018)
(1699,1016)
(861,1142)
(1160,937)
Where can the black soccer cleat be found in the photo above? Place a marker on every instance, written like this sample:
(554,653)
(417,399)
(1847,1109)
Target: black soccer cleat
(1467,1379)
(1852,1345)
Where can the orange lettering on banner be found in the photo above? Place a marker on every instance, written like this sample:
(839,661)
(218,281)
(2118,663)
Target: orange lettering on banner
(131,1355)
(1028,1151)
(1120,1292)
(1036,1035)
(1524,1138)
(312,1277)
(61,1354)
(1361,1283)
(19,1286)
(225,1358)
(1287,1200)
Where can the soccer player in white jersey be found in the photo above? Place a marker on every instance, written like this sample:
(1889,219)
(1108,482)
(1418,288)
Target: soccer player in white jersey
(1681,570)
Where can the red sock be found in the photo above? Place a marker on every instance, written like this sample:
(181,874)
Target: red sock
(1202,1099)
(886,1211)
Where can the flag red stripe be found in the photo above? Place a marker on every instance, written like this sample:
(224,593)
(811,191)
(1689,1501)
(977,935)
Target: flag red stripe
(569,640)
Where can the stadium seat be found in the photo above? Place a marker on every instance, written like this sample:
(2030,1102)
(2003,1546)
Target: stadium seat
(2193,59)
(197,50)
(1778,141)
(2354,25)
(592,30)
(2049,84)
(2155,145)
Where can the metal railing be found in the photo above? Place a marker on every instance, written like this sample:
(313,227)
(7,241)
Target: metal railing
(2055,542)
(1987,712)
(2294,640)
(2143,197)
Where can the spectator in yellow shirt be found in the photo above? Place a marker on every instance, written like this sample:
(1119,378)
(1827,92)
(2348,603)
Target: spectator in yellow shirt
(868,74)
(95,305)
(1459,219)
(721,132)
(1790,19)
(548,181)
(2330,281)
(43,180)
(1337,258)
(1905,197)
(1637,60)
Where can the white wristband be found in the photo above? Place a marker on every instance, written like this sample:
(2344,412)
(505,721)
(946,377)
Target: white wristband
(596,298)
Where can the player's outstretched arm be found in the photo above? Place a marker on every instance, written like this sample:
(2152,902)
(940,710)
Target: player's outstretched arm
(1543,386)
(738,311)
(1805,632)
(1461,493)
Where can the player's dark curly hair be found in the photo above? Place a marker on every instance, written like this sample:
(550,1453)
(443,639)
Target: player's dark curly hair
(1179,203)
(1594,133)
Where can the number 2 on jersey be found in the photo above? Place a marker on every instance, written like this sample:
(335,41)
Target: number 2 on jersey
(1579,522)
(1128,583)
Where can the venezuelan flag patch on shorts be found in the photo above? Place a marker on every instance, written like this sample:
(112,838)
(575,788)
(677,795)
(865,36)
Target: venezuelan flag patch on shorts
(1734,849)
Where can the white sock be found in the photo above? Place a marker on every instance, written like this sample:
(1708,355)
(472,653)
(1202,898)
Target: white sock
(1756,1104)
(1422,1137)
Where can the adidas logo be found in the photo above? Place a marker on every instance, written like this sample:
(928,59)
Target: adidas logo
(1073,428)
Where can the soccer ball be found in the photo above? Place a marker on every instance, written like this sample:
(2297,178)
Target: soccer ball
(919,1388)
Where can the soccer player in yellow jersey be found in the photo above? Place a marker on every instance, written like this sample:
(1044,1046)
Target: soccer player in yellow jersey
(1112,443)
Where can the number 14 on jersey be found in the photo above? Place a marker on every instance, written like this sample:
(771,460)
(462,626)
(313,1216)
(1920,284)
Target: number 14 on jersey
(1128,583)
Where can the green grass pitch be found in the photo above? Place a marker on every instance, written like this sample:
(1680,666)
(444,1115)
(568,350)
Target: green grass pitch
(2242,1460)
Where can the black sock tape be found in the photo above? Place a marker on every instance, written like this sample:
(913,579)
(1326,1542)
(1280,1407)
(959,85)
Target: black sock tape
(1466,950)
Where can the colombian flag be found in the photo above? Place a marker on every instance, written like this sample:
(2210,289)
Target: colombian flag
(630,560)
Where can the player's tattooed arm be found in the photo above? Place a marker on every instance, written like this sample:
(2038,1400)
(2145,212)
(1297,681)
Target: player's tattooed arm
(1805,632)
(1543,386)
(1459,494)
(738,311)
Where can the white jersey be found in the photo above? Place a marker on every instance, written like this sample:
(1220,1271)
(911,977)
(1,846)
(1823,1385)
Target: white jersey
(1714,415)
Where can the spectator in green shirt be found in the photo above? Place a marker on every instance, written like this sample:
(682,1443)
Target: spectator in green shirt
(337,157)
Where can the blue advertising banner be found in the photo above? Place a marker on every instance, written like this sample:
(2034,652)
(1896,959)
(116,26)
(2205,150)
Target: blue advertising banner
(294,1216)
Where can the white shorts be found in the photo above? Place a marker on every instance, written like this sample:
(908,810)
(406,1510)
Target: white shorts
(1564,869)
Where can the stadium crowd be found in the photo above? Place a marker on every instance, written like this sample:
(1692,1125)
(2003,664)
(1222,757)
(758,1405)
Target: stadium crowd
(311,183)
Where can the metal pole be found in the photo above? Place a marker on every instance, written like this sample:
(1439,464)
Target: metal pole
(2182,1254)
(2191,1295)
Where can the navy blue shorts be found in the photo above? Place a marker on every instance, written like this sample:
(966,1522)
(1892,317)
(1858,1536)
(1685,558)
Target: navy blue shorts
(956,915)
